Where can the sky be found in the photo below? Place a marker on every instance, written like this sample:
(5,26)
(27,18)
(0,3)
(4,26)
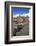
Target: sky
(20,11)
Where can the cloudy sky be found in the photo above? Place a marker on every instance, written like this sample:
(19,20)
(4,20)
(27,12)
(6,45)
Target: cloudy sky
(20,11)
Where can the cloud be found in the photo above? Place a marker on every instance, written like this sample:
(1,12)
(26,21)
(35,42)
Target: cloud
(15,15)
(28,14)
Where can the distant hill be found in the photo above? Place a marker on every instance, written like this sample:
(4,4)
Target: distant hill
(21,20)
